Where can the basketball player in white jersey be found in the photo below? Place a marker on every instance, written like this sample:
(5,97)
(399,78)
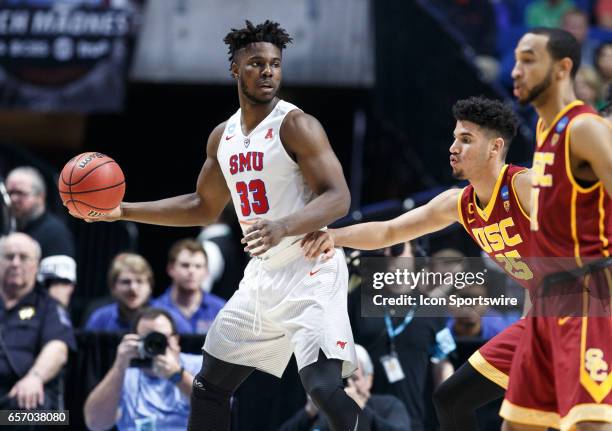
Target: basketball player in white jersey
(276,164)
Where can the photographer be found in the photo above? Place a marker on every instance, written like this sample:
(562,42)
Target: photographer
(149,384)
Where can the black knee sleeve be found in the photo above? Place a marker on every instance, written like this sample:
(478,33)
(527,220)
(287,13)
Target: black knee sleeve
(212,390)
(210,407)
(323,382)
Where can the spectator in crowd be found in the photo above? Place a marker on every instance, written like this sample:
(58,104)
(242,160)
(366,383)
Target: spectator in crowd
(588,87)
(379,412)
(36,331)
(145,398)
(26,188)
(130,280)
(547,13)
(603,64)
(187,268)
(129,275)
(576,22)
(477,321)
(603,14)
(420,344)
(58,274)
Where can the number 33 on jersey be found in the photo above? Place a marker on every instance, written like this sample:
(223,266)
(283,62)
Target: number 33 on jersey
(263,179)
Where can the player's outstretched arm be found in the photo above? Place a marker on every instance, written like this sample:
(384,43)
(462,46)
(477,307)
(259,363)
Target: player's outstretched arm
(199,208)
(591,141)
(438,213)
(304,137)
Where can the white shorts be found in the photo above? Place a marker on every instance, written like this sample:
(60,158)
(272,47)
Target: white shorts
(296,309)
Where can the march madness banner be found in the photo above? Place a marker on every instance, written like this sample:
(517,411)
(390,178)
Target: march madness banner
(66,55)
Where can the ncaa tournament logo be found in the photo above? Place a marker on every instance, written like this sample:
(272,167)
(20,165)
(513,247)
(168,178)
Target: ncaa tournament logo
(505,195)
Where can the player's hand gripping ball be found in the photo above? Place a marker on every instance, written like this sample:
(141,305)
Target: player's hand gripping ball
(91,185)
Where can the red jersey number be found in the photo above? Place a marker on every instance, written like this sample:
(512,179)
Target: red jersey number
(258,203)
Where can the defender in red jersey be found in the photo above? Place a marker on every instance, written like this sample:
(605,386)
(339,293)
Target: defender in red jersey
(494,210)
(560,377)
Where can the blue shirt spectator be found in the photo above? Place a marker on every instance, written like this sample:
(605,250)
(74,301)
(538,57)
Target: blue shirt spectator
(200,320)
(147,399)
(486,328)
(130,280)
(188,269)
(108,319)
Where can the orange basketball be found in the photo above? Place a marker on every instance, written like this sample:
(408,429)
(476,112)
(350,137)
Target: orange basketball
(91,184)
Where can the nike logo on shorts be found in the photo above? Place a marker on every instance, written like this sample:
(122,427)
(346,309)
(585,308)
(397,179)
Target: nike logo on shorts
(314,272)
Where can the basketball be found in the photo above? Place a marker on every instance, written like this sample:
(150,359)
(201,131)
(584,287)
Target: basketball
(91,184)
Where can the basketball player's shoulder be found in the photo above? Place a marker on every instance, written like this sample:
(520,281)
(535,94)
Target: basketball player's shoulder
(298,121)
(520,177)
(590,134)
(520,182)
(215,138)
(300,130)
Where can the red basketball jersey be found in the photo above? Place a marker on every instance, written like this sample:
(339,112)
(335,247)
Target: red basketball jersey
(502,228)
(567,219)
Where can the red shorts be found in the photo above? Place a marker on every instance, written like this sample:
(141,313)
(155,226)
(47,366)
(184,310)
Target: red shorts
(493,360)
(561,373)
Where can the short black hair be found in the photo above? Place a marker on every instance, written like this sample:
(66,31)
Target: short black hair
(561,44)
(490,114)
(268,31)
(152,313)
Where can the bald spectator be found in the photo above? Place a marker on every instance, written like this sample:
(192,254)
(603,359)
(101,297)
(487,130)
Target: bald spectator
(36,331)
(26,188)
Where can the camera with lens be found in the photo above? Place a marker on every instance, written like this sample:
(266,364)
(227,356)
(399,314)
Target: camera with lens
(153,344)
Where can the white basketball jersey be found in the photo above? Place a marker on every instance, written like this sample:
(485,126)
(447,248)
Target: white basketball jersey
(262,177)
